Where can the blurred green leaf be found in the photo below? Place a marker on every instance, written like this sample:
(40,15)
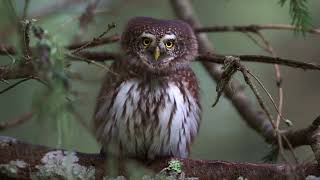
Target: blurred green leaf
(299,12)
(53,103)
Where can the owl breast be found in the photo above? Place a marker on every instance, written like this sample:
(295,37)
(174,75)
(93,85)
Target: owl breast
(151,119)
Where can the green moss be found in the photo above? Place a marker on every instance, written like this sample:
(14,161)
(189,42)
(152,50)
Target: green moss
(175,165)
(172,172)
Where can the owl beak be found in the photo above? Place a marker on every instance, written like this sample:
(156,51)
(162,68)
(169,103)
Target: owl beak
(156,53)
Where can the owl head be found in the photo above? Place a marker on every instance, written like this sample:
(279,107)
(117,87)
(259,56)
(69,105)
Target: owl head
(159,44)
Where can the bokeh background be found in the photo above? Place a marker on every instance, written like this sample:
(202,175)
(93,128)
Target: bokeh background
(223,134)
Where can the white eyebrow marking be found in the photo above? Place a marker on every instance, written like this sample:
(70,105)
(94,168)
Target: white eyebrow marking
(168,36)
(148,35)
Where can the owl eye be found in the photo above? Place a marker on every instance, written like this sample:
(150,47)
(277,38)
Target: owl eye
(146,42)
(169,44)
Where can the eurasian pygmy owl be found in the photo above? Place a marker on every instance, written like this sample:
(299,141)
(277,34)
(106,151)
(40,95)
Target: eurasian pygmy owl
(149,103)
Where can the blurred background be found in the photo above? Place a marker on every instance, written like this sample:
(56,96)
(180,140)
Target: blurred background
(223,134)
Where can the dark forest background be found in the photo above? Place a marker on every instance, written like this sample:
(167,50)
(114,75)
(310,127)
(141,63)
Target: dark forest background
(223,135)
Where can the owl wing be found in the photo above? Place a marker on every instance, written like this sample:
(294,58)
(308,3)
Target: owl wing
(106,96)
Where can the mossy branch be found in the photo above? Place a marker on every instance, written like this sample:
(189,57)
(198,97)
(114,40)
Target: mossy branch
(29,161)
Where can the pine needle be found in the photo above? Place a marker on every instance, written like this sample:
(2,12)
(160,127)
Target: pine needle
(299,12)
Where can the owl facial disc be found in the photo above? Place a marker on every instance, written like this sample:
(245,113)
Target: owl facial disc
(159,45)
(157,49)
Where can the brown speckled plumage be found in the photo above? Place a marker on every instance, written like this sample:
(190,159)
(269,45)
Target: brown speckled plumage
(150,107)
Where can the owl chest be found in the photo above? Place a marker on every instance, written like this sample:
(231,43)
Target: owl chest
(155,119)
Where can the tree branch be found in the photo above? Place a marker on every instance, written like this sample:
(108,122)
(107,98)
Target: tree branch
(249,112)
(314,138)
(301,137)
(216,58)
(96,42)
(27,70)
(7,50)
(253,28)
(85,19)
(16,121)
(21,160)
(98,56)
(16,71)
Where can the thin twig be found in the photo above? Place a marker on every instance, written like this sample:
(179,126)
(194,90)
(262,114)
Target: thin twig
(54,7)
(256,93)
(265,45)
(16,71)
(315,139)
(7,72)
(248,81)
(269,49)
(78,76)
(280,93)
(110,26)
(231,65)
(279,134)
(89,61)
(255,41)
(14,85)
(260,59)
(99,56)
(6,49)
(281,149)
(16,121)
(97,42)
(252,28)
(85,18)
(267,92)
(219,59)
(290,147)
(25,26)
(79,118)
(41,81)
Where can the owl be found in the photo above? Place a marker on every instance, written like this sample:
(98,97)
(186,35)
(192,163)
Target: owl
(148,105)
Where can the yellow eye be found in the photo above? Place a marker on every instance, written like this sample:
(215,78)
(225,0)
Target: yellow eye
(169,44)
(146,42)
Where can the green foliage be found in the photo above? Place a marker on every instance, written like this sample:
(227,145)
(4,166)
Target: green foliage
(175,165)
(53,102)
(299,13)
